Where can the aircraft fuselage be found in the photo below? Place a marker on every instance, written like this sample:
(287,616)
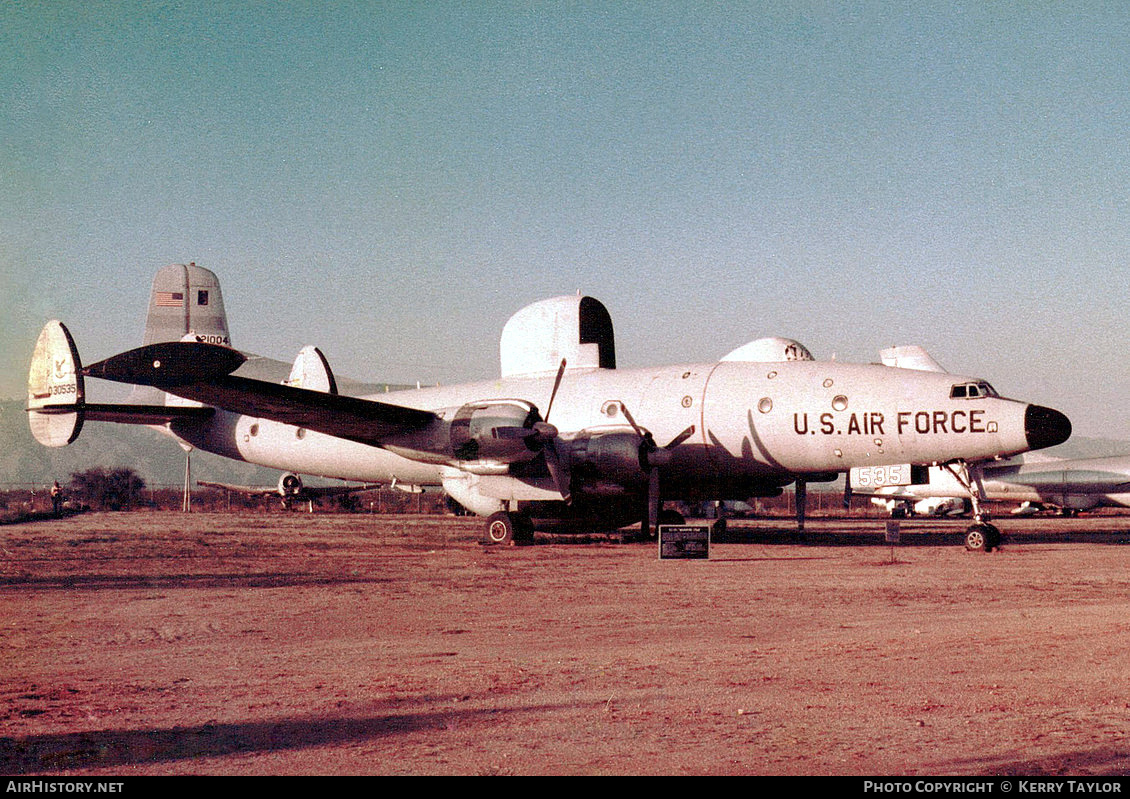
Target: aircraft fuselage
(752,422)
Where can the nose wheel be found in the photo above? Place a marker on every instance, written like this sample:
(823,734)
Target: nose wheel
(982,537)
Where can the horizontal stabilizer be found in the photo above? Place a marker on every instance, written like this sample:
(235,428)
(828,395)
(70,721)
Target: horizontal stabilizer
(145,414)
(303,491)
(127,414)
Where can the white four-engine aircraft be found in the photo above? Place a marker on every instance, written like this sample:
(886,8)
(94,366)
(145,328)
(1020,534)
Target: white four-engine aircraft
(562,436)
(290,489)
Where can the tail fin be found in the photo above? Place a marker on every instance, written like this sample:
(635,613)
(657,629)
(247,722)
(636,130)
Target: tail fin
(312,371)
(186,300)
(55,390)
(910,356)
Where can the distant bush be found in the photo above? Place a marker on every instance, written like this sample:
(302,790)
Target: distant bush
(106,489)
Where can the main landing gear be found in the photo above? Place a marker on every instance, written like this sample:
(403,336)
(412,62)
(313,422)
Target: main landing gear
(504,527)
(981,536)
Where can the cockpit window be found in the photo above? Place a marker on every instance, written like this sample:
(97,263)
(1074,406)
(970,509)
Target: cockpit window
(972,390)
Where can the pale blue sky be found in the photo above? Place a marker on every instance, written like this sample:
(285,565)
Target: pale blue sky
(390,181)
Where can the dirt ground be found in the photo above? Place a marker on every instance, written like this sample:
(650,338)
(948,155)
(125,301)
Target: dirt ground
(162,643)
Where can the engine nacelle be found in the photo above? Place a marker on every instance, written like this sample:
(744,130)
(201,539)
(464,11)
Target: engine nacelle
(495,430)
(608,458)
(290,485)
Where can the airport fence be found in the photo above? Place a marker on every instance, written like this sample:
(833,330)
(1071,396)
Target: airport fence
(27,499)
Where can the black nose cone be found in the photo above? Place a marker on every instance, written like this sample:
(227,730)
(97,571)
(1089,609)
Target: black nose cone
(1045,427)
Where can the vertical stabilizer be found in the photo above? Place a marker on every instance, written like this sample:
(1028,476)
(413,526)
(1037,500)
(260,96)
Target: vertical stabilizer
(55,390)
(312,371)
(186,300)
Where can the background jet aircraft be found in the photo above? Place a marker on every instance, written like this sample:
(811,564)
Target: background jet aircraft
(1038,481)
(902,506)
(562,436)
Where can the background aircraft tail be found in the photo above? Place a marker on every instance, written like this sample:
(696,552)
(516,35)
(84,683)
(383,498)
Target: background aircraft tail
(185,300)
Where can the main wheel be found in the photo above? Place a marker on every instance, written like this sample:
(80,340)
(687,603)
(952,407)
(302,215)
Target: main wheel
(500,528)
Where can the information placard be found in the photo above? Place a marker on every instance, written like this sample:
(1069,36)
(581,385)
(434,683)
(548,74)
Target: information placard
(681,541)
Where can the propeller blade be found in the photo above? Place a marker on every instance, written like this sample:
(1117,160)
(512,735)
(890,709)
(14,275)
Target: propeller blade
(801,502)
(628,415)
(556,385)
(847,490)
(544,430)
(557,469)
(679,439)
(654,456)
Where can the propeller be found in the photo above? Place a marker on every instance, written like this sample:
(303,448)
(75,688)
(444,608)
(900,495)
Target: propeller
(545,436)
(847,491)
(652,457)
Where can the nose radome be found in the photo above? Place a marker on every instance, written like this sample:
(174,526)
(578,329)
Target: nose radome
(1045,427)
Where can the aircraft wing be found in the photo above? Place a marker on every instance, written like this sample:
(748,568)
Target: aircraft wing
(202,372)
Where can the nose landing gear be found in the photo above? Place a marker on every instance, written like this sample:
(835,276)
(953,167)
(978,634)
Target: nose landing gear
(982,536)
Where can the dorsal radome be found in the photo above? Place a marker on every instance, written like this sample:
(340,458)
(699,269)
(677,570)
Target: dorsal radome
(772,349)
(574,328)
